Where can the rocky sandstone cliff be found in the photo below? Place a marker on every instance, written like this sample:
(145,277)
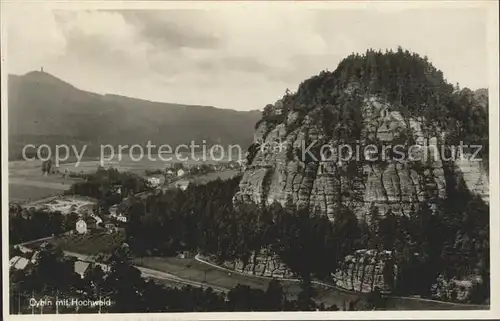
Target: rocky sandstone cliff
(366,270)
(278,170)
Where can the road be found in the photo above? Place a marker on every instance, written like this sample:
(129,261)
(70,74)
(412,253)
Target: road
(152,274)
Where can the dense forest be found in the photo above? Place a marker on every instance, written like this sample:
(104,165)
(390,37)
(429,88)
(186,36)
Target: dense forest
(32,224)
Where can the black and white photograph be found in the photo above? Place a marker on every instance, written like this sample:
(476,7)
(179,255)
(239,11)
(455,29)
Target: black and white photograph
(250,160)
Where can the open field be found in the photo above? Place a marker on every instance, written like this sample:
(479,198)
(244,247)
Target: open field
(32,171)
(90,244)
(223,175)
(27,182)
(26,193)
(137,164)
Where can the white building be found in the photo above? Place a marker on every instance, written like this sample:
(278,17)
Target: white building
(35,257)
(23,249)
(18,263)
(81,267)
(181,172)
(182,184)
(121,218)
(81,227)
(153,181)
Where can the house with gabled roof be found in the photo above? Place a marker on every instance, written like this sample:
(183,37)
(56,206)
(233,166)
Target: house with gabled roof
(18,263)
(81,267)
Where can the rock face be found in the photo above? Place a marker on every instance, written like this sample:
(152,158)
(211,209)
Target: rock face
(264,264)
(366,270)
(280,170)
(475,176)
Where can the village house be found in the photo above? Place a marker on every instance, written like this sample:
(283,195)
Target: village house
(181,172)
(121,218)
(81,267)
(18,263)
(23,249)
(182,184)
(81,227)
(35,257)
(87,223)
(154,181)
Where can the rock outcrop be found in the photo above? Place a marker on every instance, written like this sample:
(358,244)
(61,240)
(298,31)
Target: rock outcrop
(264,263)
(300,155)
(321,184)
(366,270)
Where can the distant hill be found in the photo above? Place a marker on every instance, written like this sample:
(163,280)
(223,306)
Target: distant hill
(44,109)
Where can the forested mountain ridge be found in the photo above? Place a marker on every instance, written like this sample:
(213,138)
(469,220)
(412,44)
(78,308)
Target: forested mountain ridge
(44,109)
(381,99)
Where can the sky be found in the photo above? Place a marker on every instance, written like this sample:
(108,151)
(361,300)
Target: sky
(237,57)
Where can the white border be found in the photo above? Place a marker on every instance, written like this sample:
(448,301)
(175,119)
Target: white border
(493,46)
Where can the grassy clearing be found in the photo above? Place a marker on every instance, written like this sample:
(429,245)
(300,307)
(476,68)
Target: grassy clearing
(27,182)
(223,175)
(90,244)
(20,193)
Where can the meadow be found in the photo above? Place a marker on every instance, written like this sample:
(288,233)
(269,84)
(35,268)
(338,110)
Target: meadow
(223,175)
(28,183)
(90,244)
(137,164)
(26,193)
